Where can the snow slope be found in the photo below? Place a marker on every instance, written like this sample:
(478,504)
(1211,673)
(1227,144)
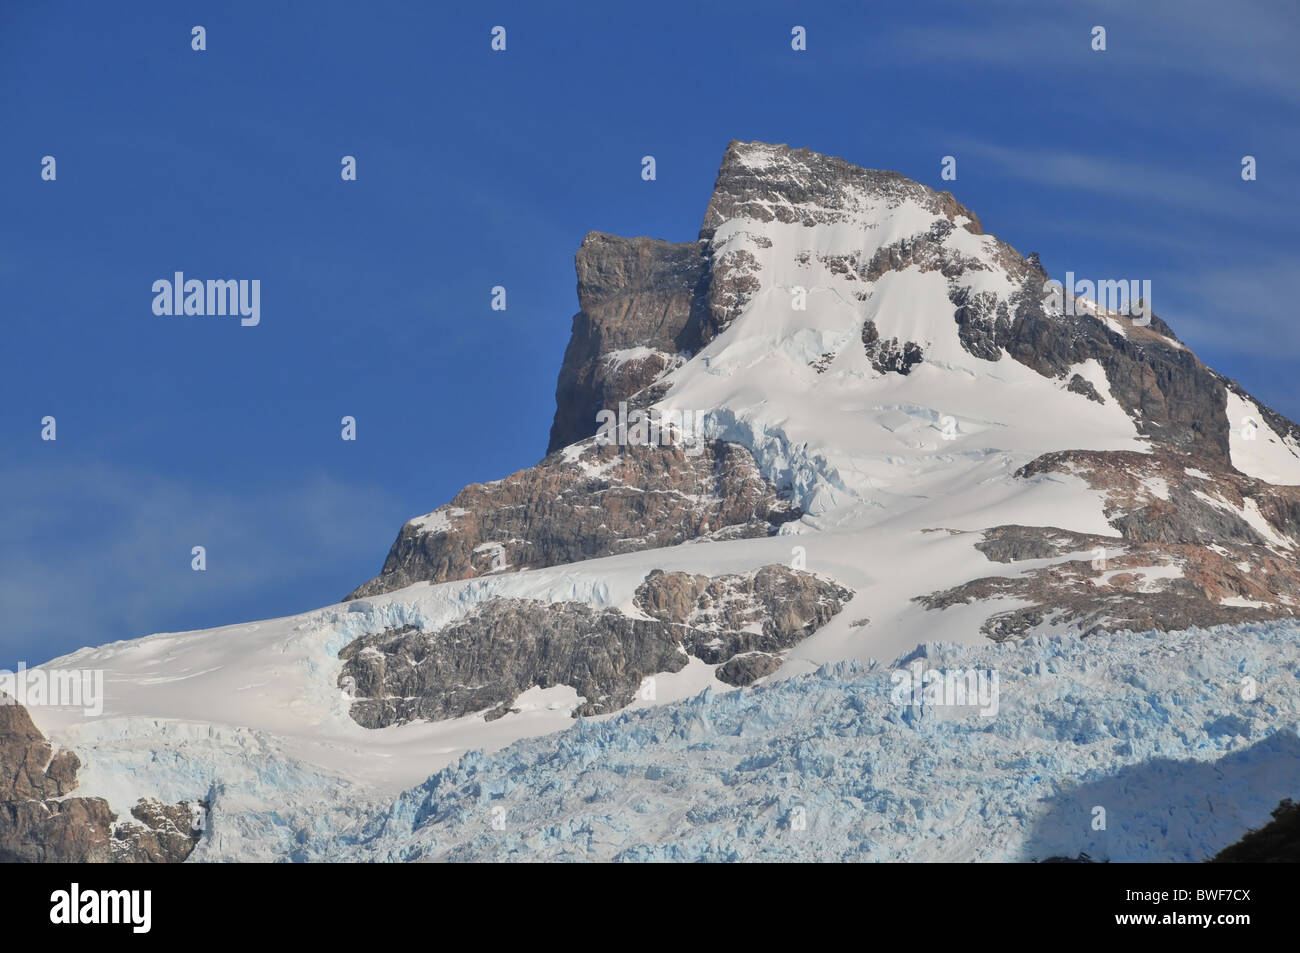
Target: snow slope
(1257,450)
(278,679)
(859,446)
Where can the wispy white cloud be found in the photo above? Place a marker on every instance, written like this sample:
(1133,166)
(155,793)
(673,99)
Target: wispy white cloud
(119,561)
(1247,44)
(1121,178)
(1247,309)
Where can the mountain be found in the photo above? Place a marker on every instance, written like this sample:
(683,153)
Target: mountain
(1069,432)
(843,422)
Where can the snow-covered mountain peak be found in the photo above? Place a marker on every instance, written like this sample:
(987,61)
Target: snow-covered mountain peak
(902,441)
(853,327)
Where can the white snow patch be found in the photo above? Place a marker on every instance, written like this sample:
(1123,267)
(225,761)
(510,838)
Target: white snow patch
(439,521)
(1255,448)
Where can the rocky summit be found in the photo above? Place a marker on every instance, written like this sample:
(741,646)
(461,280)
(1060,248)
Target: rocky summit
(1190,483)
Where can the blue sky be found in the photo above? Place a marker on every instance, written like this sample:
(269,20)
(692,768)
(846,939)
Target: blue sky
(478,168)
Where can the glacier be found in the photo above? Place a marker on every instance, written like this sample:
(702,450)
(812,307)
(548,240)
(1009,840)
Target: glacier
(1124,746)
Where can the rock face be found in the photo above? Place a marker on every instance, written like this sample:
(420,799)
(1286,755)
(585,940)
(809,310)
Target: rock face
(774,182)
(743,623)
(890,356)
(502,649)
(641,302)
(40,823)
(589,502)
(1198,547)
(1174,399)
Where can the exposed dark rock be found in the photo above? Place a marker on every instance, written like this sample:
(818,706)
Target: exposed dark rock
(774,182)
(504,647)
(1013,624)
(162,833)
(889,356)
(596,501)
(823,362)
(1175,400)
(983,322)
(733,280)
(633,293)
(1187,556)
(924,252)
(1080,385)
(1081,859)
(721,613)
(32,769)
(748,668)
(500,712)
(40,823)
(1007,544)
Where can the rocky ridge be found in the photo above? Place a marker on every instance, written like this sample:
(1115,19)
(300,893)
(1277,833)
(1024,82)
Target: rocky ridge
(40,820)
(1195,548)
(586,502)
(484,660)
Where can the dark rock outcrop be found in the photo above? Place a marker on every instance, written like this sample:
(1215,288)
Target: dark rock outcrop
(748,668)
(636,295)
(39,822)
(890,356)
(594,501)
(485,660)
(726,616)
(1175,401)
(776,183)
(1191,551)
(1080,385)
(497,652)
